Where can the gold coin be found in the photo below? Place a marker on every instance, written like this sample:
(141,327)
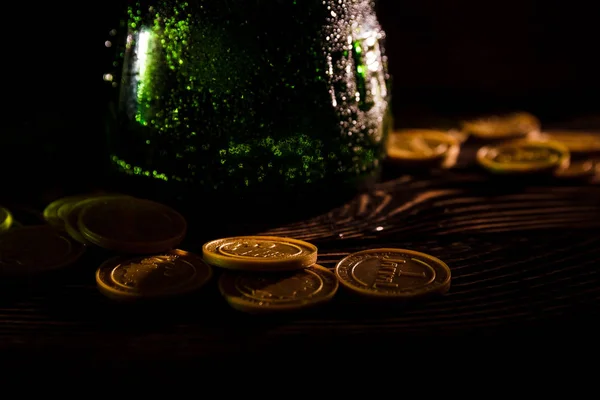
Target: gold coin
(6,219)
(260,253)
(262,293)
(576,142)
(524,156)
(509,126)
(393,273)
(131,225)
(34,249)
(580,169)
(51,211)
(420,146)
(71,216)
(171,273)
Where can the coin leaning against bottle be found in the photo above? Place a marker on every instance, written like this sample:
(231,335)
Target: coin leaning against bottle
(260,253)
(524,156)
(390,273)
(254,292)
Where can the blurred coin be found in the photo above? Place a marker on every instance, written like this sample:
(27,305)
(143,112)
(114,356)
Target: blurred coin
(260,253)
(502,127)
(524,156)
(393,273)
(34,249)
(420,147)
(171,273)
(286,291)
(577,142)
(131,225)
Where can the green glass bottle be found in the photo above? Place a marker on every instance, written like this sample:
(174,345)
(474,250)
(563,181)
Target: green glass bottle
(248,98)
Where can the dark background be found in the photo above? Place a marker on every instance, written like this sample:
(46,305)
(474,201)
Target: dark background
(447,58)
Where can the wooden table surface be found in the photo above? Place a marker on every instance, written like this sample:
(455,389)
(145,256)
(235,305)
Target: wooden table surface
(524,257)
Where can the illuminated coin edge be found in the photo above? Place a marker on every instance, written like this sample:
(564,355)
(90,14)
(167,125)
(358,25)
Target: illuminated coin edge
(416,293)
(238,301)
(50,213)
(197,282)
(262,264)
(7,222)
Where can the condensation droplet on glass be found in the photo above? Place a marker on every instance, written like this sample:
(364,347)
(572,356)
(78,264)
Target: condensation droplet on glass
(108,77)
(112,32)
(108,43)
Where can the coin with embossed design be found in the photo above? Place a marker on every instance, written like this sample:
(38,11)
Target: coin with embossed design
(393,273)
(286,291)
(260,253)
(524,156)
(167,274)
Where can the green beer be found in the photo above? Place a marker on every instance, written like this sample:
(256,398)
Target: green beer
(222,98)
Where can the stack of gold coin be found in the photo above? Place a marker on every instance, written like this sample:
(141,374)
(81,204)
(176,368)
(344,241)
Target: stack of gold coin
(118,223)
(427,148)
(122,224)
(269,274)
(502,127)
(524,156)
